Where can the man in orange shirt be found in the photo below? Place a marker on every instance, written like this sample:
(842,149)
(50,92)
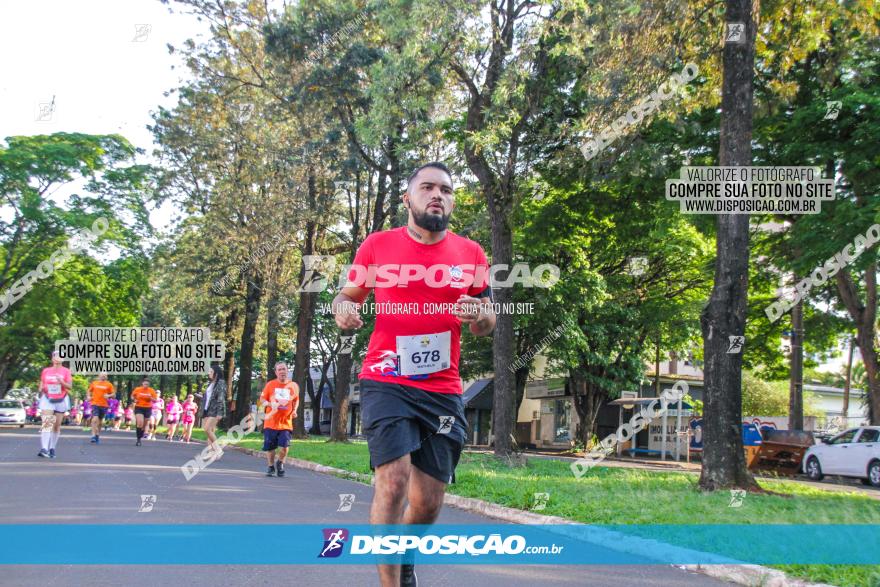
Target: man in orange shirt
(143,397)
(99,390)
(279,399)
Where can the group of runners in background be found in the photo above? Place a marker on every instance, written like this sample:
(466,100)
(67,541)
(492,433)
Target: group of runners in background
(102,410)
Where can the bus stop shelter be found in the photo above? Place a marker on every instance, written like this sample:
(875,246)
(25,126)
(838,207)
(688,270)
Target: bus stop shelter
(682,408)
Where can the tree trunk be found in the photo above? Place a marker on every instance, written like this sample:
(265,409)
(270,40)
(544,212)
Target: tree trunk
(796,384)
(272,327)
(306,316)
(587,399)
(339,422)
(657,368)
(724,463)
(394,179)
(503,401)
(228,363)
(521,377)
(847,384)
(865,317)
(315,397)
(5,384)
(248,339)
(865,340)
(379,209)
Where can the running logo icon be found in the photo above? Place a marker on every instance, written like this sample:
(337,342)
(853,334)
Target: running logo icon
(541,500)
(141,32)
(346,500)
(316,269)
(832,109)
(735,32)
(334,540)
(637,266)
(736,498)
(736,344)
(446,423)
(347,344)
(147,503)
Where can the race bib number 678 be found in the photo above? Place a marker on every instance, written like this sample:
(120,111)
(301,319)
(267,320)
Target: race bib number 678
(421,354)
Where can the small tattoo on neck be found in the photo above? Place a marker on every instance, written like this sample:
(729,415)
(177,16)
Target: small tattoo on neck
(414,233)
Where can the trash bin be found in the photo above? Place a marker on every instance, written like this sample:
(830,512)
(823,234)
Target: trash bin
(782,451)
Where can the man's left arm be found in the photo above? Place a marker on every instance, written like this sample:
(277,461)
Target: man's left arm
(478,313)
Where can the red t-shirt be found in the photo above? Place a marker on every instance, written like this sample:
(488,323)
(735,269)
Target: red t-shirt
(455,266)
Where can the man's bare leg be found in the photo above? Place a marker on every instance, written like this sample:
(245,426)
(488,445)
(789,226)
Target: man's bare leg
(392,480)
(425,498)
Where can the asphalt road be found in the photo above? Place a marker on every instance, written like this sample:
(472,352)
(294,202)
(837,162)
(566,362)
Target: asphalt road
(103,484)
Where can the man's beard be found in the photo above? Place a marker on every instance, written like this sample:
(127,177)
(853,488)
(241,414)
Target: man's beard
(431,222)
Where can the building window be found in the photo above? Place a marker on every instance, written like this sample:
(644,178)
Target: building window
(562,421)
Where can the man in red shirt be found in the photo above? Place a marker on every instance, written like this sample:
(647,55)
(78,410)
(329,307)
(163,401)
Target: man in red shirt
(280,399)
(430,282)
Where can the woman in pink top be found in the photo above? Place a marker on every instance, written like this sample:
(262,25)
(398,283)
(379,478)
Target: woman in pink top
(55,385)
(173,410)
(155,415)
(129,416)
(189,416)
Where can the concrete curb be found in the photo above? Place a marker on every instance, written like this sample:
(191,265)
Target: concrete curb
(742,574)
(754,575)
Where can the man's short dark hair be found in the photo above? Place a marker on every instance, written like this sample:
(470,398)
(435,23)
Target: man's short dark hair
(434,164)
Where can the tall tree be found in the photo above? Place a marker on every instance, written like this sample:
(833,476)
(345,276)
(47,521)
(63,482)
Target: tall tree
(39,305)
(724,317)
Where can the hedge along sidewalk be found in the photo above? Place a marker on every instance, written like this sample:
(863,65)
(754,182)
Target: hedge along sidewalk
(744,574)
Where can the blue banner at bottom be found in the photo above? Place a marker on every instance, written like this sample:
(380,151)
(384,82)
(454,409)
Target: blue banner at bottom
(255,544)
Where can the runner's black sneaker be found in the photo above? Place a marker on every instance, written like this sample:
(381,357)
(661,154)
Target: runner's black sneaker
(51,453)
(43,453)
(138,443)
(280,467)
(270,472)
(408,576)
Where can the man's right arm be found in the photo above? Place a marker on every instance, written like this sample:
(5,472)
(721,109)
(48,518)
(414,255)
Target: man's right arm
(345,307)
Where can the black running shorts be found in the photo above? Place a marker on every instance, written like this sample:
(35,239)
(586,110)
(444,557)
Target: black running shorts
(399,420)
(145,412)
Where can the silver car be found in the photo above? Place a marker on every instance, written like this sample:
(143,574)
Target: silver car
(854,453)
(12,412)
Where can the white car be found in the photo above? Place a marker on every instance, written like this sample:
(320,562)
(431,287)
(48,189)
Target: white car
(854,453)
(12,412)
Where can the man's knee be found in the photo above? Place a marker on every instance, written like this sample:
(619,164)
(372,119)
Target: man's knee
(392,478)
(427,504)
(426,494)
